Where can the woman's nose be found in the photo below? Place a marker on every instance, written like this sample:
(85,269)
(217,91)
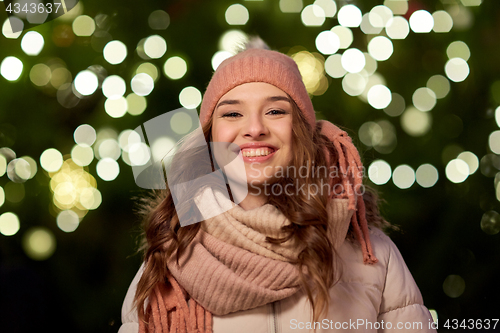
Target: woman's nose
(255,127)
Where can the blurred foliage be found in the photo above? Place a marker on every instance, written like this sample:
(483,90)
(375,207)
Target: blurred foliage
(82,286)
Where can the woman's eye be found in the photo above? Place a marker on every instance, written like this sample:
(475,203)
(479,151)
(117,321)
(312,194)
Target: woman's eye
(276,112)
(231,115)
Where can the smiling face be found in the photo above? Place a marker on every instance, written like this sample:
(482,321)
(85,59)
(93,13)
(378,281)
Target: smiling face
(257,117)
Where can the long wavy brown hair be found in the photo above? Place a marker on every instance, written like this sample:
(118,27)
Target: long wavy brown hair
(318,265)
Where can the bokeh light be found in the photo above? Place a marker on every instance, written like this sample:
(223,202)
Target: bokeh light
(83,26)
(15,22)
(40,75)
(11,68)
(415,122)
(190,97)
(442,21)
(313,16)
(471,159)
(115,52)
(327,42)
(439,85)
(114,87)
(219,57)
(2,196)
(328,6)
(353,60)
(108,169)
(379,96)
(344,34)
(159,20)
(366,27)
(397,105)
(333,66)
(398,7)
(490,222)
(32,43)
(379,172)
(427,175)
(457,171)
(311,67)
(86,82)
(51,160)
(237,15)
(85,135)
(457,69)
(397,28)
(349,16)
(9,224)
(421,21)
(291,6)
(142,84)
(148,68)
(497,116)
(354,84)
(108,148)
(136,104)
(454,286)
(116,108)
(458,49)
(232,40)
(39,243)
(181,123)
(424,99)
(370,133)
(403,176)
(82,156)
(494,142)
(175,68)
(380,48)
(155,47)
(379,16)
(67,220)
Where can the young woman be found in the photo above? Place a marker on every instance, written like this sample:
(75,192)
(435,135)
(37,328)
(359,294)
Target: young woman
(301,251)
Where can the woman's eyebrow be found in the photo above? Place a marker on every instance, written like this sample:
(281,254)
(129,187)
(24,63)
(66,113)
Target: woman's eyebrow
(228,102)
(278,98)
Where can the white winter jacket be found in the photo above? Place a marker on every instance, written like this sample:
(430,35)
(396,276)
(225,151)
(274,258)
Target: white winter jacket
(369,298)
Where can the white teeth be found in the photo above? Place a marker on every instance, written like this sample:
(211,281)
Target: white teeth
(256,152)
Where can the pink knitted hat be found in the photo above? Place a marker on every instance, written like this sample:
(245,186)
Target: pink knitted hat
(278,69)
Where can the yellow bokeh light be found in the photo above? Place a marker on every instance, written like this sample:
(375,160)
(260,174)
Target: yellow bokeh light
(370,133)
(458,49)
(175,68)
(11,68)
(149,69)
(439,85)
(115,52)
(311,68)
(379,16)
(59,77)
(9,224)
(354,84)
(397,28)
(67,220)
(136,104)
(424,99)
(344,34)
(442,21)
(349,16)
(454,286)
(51,160)
(237,15)
(471,160)
(313,16)
(403,176)
(40,75)
(291,6)
(90,198)
(83,26)
(379,172)
(39,243)
(181,123)
(328,6)
(415,122)
(108,148)
(494,142)
(427,175)
(421,21)
(397,105)
(159,20)
(2,196)
(190,97)
(116,108)
(398,7)
(333,66)
(367,27)
(155,46)
(3,165)
(81,155)
(457,171)
(497,119)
